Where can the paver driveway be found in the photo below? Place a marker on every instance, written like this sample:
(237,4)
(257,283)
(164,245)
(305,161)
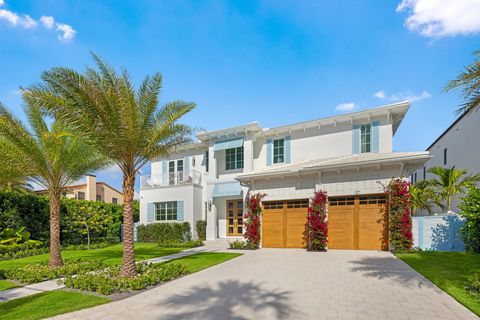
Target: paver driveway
(292,284)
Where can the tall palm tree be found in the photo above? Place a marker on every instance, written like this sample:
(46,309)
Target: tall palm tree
(122,122)
(450,182)
(468,81)
(11,178)
(423,197)
(51,156)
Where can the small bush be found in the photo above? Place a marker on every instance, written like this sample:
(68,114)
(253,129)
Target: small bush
(168,231)
(108,281)
(470,210)
(15,251)
(237,244)
(177,244)
(473,285)
(201,228)
(41,271)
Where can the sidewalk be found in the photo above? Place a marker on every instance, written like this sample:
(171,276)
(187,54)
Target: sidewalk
(51,285)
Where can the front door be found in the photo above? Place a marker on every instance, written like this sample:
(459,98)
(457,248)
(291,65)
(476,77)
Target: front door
(235,218)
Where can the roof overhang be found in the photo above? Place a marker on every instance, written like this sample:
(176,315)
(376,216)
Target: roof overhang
(229,133)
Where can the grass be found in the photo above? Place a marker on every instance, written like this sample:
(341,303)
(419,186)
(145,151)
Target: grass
(48,304)
(450,271)
(111,255)
(203,260)
(5,284)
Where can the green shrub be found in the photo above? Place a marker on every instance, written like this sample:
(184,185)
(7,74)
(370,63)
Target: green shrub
(178,244)
(164,231)
(470,210)
(15,251)
(473,285)
(39,272)
(108,281)
(237,244)
(201,228)
(10,236)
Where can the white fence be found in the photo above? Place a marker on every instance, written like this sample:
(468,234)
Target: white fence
(438,233)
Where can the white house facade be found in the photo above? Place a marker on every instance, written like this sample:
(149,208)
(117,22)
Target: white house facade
(349,156)
(457,146)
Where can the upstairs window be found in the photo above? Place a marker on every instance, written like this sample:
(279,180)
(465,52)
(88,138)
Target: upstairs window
(99,197)
(206,161)
(279,151)
(115,200)
(445,156)
(366,138)
(81,195)
(234,158)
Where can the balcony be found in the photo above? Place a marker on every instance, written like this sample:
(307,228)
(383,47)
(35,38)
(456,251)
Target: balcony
(171,179)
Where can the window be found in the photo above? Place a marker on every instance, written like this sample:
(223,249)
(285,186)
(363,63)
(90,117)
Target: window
(171,173)
(206,161)
(278,151)
(424,173)
(234,158)
(180,170)
(99,197)
(81,195)
(445,156)
(114,200)
(166,211)
(415,178)
(193,161)
(366,138)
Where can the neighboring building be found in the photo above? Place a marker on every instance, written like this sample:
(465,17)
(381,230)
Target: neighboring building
(456,146)
(349,156)
(91,190)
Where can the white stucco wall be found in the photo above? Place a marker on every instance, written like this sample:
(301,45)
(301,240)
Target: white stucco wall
(463,151)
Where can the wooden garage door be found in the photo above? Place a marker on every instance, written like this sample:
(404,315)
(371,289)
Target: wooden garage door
(356,222)
(283,223)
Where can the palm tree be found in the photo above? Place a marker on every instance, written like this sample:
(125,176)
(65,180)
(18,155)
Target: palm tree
(51,157)
(450,182)
(423,197)
(122,122)
(11,178)
(469,83)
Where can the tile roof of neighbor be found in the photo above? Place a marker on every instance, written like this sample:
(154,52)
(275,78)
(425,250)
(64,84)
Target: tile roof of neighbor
(334,162)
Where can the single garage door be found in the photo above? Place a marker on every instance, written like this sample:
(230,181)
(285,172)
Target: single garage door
(283,223)
(356,222)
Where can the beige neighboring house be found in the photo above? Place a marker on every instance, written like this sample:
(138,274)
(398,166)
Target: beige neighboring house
(91,190)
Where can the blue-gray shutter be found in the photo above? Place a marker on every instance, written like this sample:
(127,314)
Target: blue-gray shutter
(186,167)
(269,152)
(288,156)
(164,172)
(180,211)
(150,212)
(375,136)
(356,139)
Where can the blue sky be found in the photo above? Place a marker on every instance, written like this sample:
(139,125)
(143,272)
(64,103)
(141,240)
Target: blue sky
(275,62)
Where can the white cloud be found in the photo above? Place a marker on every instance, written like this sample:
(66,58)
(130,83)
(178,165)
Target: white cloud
(441,18)
(402,96)
(25,21)
(349,106)
(47,21)
(68,32)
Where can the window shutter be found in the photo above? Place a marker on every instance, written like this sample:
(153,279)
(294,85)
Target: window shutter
(356,139)
(186,166)
(269,152)
(150,212)
(164,172)
(180,211)
(287,143)
(375,136)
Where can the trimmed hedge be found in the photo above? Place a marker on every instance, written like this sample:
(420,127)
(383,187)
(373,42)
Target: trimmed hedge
(164,232)
(16,251)
(201,228)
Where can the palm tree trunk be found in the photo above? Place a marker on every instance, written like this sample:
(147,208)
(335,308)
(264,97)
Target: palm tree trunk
(449,203)
(55,247)
(128,266)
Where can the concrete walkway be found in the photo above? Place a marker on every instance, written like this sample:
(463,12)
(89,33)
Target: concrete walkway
(50,285)
(291,284)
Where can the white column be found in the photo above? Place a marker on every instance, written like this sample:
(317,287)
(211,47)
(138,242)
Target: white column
(248,154)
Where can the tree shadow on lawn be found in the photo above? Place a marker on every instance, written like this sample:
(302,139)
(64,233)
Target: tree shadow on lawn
(390,268)
(230,300)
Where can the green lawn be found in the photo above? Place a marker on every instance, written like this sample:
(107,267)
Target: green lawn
(48,304)
(449,271)
(110,255)
(5,284)
(203,260)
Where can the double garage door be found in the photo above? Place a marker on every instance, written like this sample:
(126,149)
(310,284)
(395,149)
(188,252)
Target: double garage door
(354,222)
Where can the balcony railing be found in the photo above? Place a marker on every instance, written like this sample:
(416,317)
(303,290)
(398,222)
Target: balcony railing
(170,179)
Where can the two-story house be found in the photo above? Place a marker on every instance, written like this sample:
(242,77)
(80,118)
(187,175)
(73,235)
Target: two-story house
(350,156)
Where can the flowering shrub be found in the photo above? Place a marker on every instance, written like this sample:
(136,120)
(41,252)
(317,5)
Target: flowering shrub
(316,228)
(251,221)
(400,225)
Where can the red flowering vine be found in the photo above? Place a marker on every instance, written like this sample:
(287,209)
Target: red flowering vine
(400,224)
(251,221)
(316,228)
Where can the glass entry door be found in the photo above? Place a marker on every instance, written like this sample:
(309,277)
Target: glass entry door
(235,218)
